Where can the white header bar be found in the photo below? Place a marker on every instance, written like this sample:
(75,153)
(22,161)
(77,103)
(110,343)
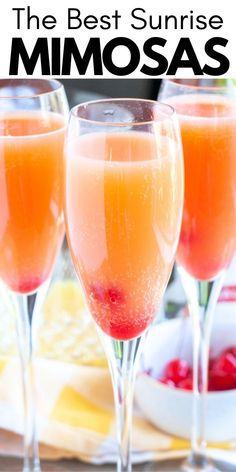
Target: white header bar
(132,39)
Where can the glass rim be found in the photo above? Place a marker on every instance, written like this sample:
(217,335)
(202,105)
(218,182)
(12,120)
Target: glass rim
(13,82)
(171,112)
(197,87)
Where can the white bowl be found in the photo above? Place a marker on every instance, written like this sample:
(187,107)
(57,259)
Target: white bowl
(170,409)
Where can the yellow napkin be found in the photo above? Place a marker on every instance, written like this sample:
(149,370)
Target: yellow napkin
(75,403)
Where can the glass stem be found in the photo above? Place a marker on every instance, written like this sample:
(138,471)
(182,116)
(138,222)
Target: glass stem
(123,359)
(27,307)
(202,297)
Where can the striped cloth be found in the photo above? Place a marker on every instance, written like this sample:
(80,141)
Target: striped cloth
(75,415)
(75,404)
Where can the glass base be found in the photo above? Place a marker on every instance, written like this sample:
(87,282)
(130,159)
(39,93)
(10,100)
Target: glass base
(207,468)
(187,465)
(199,464)
(35,469)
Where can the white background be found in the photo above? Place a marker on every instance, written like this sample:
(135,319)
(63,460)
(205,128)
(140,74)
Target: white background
(59,8)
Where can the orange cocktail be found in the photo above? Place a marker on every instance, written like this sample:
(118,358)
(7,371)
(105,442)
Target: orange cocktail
(208,234)
(31,223)
(123,202)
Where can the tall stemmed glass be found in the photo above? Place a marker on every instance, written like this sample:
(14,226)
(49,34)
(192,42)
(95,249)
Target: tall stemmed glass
(32,130)
(208,235)
(123,209)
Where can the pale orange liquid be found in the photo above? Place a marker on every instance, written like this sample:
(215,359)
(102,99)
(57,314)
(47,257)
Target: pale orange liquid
(123,211)
(31,205)
(208,234)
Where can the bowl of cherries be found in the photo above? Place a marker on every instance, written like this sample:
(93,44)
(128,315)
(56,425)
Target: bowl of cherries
(164,384)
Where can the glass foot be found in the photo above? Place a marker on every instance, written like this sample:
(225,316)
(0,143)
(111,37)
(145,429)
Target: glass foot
(187,465)
(35,468)
(198,463)
(32,470)
(194,468)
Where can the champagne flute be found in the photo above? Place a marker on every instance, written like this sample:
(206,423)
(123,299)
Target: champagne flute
(207,115)
(32,130)
(123,209)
